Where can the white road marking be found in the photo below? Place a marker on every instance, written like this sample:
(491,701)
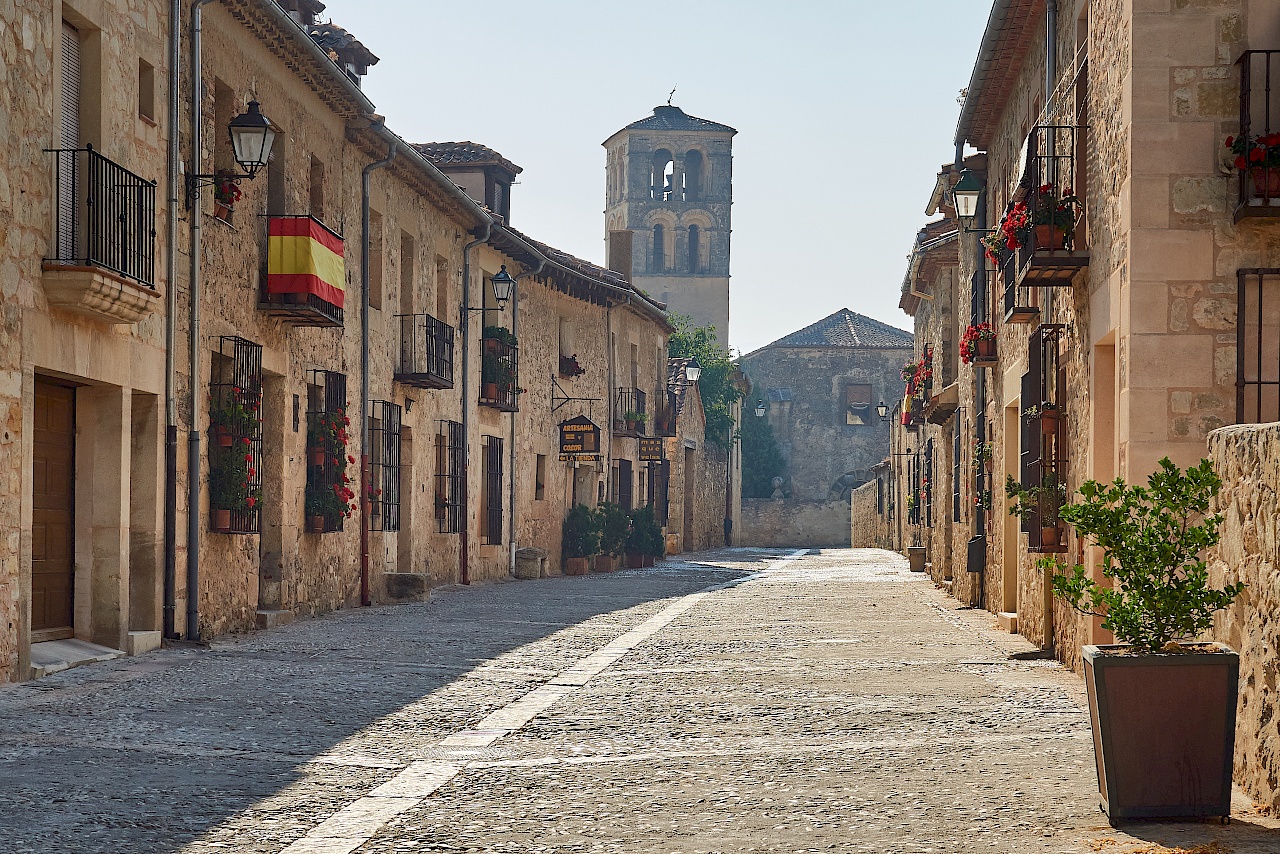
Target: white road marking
(357,822)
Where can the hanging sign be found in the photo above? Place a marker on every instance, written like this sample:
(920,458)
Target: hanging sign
(650,450)
(579,437)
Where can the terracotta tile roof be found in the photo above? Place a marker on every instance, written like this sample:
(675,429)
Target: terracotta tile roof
(849,329)
(677,383)
(668,117)
(1012,27)
(445,154)
(335,40)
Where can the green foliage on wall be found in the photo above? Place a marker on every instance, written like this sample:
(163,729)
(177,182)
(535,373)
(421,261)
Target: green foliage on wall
(761,457)
(716,383)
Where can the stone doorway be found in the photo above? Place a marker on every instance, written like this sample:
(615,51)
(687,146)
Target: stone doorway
(53,516)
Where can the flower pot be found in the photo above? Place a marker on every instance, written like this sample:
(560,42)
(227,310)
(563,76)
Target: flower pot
(1163,730)
(631,426)
(1050,237)
(602,563)
(315,524)
(1049,422)
(315,456)
(649,560)
(577,565)
(985,348)
(1266,182)
(223,436)
(1051,536)
(491,345)
(489,391)
(915,554)
(635,560)
(222,211)
(221,520)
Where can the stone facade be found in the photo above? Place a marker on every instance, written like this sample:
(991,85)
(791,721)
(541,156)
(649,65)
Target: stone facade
(870,520)
(795,523)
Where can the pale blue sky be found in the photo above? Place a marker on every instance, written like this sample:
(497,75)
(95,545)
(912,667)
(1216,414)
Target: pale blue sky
(845,109)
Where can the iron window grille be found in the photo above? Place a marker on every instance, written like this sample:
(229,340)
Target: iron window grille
(297,309)
(1043,448)
(981,300)
(915,510)
(328,478)
(1258,187)
(627,401)
(1257,346)
(499,374)
(384,466)
(426,352)
(235,435)
(448,477)
(104,215)
(928,484)
(492,491)
(956,453)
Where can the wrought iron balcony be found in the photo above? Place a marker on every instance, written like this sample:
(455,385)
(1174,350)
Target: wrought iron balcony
(1051,253)
(282,293)
(104,234)
(499,374)
(426,352)
(630,401)
(664,417)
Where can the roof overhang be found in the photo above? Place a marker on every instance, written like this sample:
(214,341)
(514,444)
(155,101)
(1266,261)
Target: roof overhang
(1011,27)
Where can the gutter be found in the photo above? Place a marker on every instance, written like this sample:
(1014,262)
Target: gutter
(282,18)
(986,61)
(365,176)
(464,311)
(515,323)
(169,619)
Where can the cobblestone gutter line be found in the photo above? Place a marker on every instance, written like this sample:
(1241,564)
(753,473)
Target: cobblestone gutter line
(356,823)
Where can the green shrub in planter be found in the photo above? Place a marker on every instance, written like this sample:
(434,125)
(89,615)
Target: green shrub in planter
(646,534)
(581,533)
(614,526)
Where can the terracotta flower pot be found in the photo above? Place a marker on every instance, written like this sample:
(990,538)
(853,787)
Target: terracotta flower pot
(489,391)
(649,560)
(315,524)
(915,554)
(1163,730)
(1266,182)
(602,563)
(577,565)
(1051,536)
(223,436)
(1050,237)
(1049,422)
(985,348)
(221,520)
(222,211)
(315,456)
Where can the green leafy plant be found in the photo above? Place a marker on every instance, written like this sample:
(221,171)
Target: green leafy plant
(634,417)
(1152,538)
(646,534)
(496,370)
(236,411)
(501,334)
(718,384)
(614,526)
(1045,499)
(581,532)
(231,474)
(761,458)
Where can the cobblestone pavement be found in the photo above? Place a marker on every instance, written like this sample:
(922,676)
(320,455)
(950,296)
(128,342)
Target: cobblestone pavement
(735,701)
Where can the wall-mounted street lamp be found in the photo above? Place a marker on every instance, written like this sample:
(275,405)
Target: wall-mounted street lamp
(965,196)
(883,411)
(503,287)
(760,408)
(692,370)
(252,136)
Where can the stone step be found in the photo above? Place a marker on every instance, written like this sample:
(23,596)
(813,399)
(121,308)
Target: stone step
(55,656)
(274,619)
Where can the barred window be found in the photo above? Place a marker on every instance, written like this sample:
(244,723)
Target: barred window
(857,404)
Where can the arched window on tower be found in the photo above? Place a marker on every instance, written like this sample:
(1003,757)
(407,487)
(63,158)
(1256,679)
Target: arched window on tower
(660,176)
(659,248)
(695,249)
(692,176)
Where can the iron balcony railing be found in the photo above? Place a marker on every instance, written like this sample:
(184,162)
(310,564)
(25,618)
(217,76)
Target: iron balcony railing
(630,401)
(104,215)
(664,416)
(1256,172)
(500,375)
(301,308)
(426,352)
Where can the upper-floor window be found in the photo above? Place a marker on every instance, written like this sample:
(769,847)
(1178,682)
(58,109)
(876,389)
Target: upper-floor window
(659,261)
(857,404)
(692,176)
(695,249)
(661,175)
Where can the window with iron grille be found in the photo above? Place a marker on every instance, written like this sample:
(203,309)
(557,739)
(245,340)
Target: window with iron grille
(915,498)
(624,487)
(331,475)
(1043,453)
(1257,347)
(955,471)
(448,494)
(928,484)
(235,437)
(384,466)
(492,490)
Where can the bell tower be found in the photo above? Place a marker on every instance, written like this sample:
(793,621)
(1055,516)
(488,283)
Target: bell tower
(668,193)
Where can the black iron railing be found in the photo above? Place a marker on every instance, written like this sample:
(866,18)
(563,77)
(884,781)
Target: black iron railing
(297,308)
(1257,346)
(235,437)
(1044,460)
(664,417)
(630,401)
(500,374)
(384,466)
(1257,173)
(329,495)
(493,491)
(104,215)
(448,491)
(426,352)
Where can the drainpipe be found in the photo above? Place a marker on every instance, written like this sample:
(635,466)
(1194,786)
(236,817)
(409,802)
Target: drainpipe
(193,336)
(365,598)
(515,320)
(610,395)
(464,312)
(1050,48)
(171,331)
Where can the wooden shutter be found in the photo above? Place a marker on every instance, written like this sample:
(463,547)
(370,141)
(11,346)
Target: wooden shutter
(70,131)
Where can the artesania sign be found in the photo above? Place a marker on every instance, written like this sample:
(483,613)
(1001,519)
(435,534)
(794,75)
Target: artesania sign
(579,437)
(650,450)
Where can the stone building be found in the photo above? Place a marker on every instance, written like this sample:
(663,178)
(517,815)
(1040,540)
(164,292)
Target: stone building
(1136,325)
(669,189)
(186,432)
(822,387)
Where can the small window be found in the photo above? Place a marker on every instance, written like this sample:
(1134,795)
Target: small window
(857,404)
(695,250)
(659,248)
(540,478)
(146,91)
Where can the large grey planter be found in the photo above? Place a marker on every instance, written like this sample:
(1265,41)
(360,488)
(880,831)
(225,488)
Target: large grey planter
(915,554)
(1164,730)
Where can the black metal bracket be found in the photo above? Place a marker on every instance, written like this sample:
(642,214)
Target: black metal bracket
(559,398)
(196,182)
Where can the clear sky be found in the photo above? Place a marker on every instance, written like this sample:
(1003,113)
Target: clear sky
(845,109)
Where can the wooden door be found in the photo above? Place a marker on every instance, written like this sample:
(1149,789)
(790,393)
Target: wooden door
(52,528)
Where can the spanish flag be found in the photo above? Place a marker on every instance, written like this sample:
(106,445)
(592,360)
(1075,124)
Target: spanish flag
(304,257)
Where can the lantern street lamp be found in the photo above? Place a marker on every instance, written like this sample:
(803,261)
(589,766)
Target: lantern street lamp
(760,408)
(252,136)
(503,287)
(883,411)
(965,196)
(692,370)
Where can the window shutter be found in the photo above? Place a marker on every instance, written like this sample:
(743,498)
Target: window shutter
(70,136)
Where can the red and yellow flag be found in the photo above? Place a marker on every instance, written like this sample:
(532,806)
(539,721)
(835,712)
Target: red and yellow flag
(304,257)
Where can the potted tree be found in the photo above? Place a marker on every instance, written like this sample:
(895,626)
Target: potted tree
(581,539)
(1163,706)
(614,526)
(645,542)
(634,419)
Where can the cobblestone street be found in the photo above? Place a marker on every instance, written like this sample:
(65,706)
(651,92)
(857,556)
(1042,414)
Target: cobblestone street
(733,701)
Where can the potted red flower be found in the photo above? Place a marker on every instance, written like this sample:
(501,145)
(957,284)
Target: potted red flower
(1260,158)
(226,192)
(978,344)
(1055,217)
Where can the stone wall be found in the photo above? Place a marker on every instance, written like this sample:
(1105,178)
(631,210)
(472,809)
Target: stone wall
(869,519)
(1247,458)
(795,522)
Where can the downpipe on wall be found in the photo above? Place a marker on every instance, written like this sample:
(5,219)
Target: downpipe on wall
(515,323)
(464,323)
(169,616)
